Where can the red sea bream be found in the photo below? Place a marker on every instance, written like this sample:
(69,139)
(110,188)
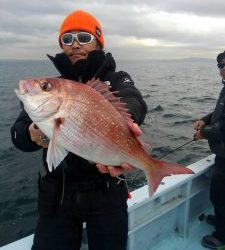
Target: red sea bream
(90,121)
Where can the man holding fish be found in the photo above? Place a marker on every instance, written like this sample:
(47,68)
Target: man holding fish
(89,196)
(89,116)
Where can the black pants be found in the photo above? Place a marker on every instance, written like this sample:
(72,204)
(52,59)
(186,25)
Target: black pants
(103,209)
(217,196)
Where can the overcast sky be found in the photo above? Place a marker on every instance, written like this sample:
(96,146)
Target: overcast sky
(133,29)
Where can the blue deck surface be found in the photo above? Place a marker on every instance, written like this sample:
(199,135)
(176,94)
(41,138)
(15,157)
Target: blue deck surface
(197,230)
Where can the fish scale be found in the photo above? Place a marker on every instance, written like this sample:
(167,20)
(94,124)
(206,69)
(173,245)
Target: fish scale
(78,141)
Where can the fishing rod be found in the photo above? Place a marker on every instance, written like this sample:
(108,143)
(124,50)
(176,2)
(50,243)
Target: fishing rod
(171,151)
(186,143)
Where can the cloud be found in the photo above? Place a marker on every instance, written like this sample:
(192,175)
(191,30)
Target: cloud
(145,29)
(200,7)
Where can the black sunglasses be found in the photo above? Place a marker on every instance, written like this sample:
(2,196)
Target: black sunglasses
(221,65)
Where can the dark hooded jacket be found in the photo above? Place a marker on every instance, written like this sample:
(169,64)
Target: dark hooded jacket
(214,131)
(98,65)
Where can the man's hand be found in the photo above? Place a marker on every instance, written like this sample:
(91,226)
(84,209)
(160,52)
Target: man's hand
(118,170)
(198,135)
(38,136)
(114,171)
(134,128)
(198,124)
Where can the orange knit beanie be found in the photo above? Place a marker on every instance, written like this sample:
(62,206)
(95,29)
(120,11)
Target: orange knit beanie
(82,21)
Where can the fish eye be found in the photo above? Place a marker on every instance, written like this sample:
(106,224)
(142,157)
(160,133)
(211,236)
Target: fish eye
(46,86)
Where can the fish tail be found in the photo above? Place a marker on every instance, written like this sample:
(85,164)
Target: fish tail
(159,169)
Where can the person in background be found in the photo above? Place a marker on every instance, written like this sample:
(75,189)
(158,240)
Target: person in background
(79,191)
(212,128)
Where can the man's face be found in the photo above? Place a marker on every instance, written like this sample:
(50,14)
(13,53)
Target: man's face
(76,51)
(222,71)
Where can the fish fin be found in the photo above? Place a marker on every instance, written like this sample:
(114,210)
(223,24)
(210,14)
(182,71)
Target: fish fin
(55,152)
(160,170)
(58,121)
(104,90)
(55,155)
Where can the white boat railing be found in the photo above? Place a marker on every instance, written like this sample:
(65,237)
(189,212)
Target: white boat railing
(178,199)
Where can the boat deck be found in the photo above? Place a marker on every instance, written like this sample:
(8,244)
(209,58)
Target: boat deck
(197,229)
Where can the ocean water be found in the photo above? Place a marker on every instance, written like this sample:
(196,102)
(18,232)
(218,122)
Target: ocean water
(176,92)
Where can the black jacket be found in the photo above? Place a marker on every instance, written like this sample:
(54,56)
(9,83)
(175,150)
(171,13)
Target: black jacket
(99,65)
(214,131)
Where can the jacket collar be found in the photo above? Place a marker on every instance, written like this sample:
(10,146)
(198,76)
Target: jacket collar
(96,65)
